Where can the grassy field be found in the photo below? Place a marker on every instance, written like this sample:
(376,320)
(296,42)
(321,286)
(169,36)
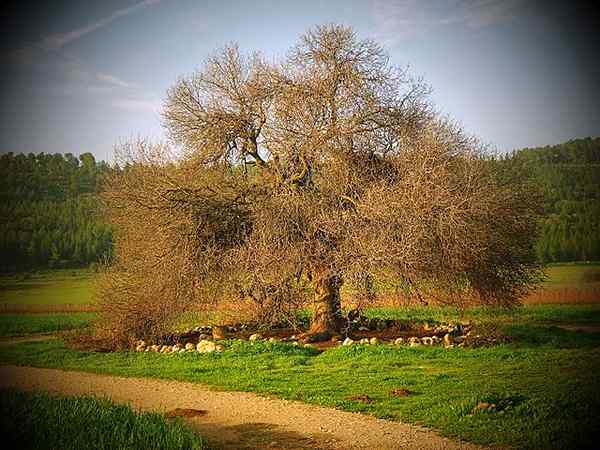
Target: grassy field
(574,283)
(74,287)
(59,287)
(545,382)
(38,421)
(23,324)
(572,275)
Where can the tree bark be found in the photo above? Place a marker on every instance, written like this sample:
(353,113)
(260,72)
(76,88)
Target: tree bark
(327,310)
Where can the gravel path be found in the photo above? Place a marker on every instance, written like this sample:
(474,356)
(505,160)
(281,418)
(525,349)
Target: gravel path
(238,420)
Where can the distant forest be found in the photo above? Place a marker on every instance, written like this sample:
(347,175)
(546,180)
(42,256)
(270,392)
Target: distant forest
(569,176)
(49,209)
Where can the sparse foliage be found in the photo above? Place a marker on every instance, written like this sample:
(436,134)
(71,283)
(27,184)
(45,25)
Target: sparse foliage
(331,167)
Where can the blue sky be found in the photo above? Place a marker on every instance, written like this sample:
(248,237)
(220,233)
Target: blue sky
(82,76)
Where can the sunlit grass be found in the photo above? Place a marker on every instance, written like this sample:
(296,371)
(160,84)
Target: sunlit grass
(552,375)
(56,287)
(23,324)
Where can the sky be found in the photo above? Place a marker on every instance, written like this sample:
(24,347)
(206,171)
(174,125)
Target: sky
(83,76)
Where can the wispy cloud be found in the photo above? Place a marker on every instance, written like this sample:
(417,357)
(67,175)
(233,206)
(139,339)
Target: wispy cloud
(403,19)
(138,105)
(114,81)
(59,40)
(65,74)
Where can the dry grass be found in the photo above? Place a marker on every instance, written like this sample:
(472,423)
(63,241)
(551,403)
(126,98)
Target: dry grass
(570,295)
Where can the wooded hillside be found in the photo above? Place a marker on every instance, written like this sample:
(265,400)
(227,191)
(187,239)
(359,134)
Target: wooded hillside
(49,208)
(569,175)
(49,211)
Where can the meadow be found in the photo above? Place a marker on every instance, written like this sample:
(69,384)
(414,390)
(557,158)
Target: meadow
(25,324)
(543,379)
(67,289)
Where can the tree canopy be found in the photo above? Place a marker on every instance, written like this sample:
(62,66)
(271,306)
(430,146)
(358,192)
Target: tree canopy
(328,167)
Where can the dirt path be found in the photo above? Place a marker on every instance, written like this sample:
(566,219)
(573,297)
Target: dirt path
(237,420)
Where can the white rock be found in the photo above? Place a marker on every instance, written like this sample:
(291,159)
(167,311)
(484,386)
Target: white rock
(295,343)
(219,348)
(399,341)
(363,329)
(205,346)
(348,341)
(255,337)
(374,341)
(414,341)
(273,339)
(183,350)
(364,341)
(448,340)
(189,346)
(427,340)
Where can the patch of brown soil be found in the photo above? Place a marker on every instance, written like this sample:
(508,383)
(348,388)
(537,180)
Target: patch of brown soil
(400,392)
(363,398)
(185,412)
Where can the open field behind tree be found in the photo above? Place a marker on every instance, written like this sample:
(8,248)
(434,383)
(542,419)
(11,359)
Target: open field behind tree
(61,300)
(36,323)
(47,288)
(74,287)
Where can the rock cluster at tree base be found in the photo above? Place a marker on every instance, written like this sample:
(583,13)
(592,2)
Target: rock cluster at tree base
(203,339)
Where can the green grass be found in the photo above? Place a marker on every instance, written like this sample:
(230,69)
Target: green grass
(57,287)
(572,275)
(39,421)
(23,324)
(532,314)
(549,376)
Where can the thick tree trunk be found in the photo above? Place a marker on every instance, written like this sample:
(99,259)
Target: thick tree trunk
(327,310)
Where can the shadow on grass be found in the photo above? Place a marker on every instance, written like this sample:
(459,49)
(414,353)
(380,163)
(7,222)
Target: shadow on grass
(552,336)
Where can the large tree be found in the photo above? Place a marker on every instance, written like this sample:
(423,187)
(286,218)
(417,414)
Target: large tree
(293,178)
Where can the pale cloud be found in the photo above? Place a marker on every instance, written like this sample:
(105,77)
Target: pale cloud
(114,81)
(59,40)
(138,105)
(397,20)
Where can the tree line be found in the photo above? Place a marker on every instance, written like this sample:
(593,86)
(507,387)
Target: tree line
(50,218)
(49,211)
(568,175)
